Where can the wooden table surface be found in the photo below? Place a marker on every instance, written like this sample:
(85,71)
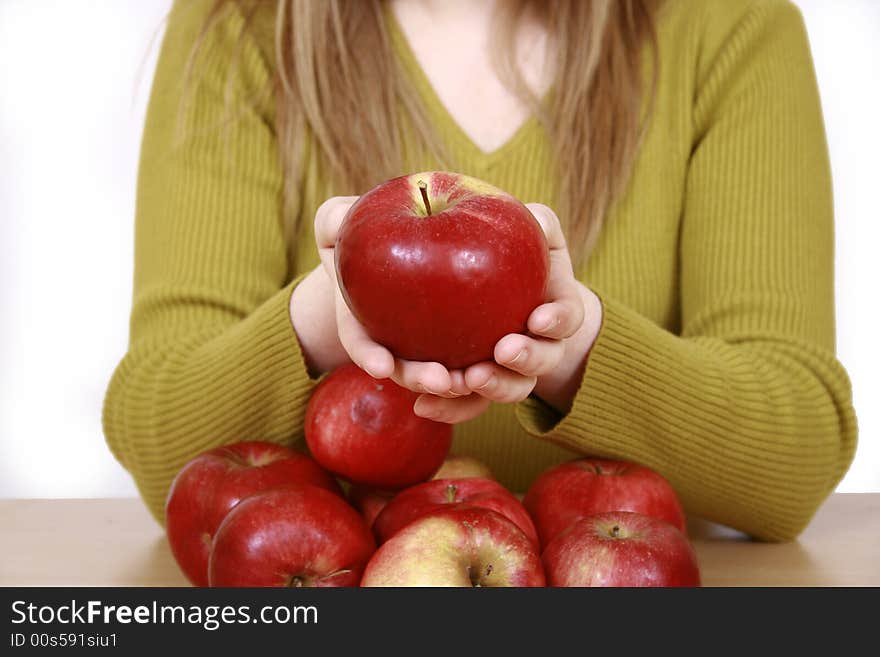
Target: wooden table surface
(114,542)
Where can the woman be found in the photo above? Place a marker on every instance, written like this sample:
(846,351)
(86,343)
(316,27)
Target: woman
(690,320)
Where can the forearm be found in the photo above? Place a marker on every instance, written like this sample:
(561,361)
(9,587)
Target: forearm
(738,398)
(213,356)
(216,380)
(753,434)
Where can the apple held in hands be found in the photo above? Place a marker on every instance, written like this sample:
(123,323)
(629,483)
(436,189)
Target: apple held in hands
(440,266)
(430,496)
(301,535)
(366,431)
(587,486)
(209,485)
(620,549)
(459,546)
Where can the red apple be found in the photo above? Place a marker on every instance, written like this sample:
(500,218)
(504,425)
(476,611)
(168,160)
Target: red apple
(209,485)
(440,266)
(369,501)
(457,546)
(584,487)
(301,535)
(621,549)
(462,467)
(365,431)
(431,496)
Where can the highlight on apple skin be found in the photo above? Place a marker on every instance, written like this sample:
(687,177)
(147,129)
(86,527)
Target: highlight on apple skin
(443,255)
(460,546)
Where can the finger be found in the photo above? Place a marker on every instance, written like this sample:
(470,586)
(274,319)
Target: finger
(459,385)
(529,356)
(498,383)
(421,377)
(559,319)
(450,411)
(328,219)
(373,358)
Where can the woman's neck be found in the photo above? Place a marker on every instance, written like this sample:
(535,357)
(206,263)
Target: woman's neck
(450,9)
(451,41)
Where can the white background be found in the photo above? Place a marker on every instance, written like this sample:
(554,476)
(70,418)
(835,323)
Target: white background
(74,80)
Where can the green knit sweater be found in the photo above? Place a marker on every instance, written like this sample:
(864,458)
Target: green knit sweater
(715,364)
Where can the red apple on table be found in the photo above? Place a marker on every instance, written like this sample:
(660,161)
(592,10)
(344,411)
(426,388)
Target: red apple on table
(620,549)
(295,536)
(461,546)
(587,486)
(461,467)
(430,496)
(440,266)
(369,501)
(366,431)
(209,485)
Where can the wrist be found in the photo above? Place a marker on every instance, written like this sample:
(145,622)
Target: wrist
(313,317)
(559,388)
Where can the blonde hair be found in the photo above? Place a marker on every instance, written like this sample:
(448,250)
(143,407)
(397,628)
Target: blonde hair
(339,84)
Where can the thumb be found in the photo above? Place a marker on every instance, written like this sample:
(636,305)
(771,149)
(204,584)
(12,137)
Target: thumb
(549,224)
(328,219)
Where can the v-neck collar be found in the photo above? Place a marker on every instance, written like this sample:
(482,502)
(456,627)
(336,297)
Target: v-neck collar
(438,110)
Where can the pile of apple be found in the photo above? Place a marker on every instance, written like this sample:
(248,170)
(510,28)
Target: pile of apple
(439,253)
(259,514)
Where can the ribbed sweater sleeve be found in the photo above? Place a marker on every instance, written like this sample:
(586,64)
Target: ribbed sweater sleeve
(213,357)
(745,409)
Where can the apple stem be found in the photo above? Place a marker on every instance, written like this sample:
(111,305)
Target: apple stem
(475,581)
(451,492)
(615,532)
(423,188)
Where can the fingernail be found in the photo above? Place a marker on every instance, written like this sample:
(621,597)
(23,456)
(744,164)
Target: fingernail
(519,356)
(549,324)
(427,414)
(490,383)
(421,387)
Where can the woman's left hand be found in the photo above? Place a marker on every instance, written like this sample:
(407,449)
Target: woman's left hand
(550,360)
